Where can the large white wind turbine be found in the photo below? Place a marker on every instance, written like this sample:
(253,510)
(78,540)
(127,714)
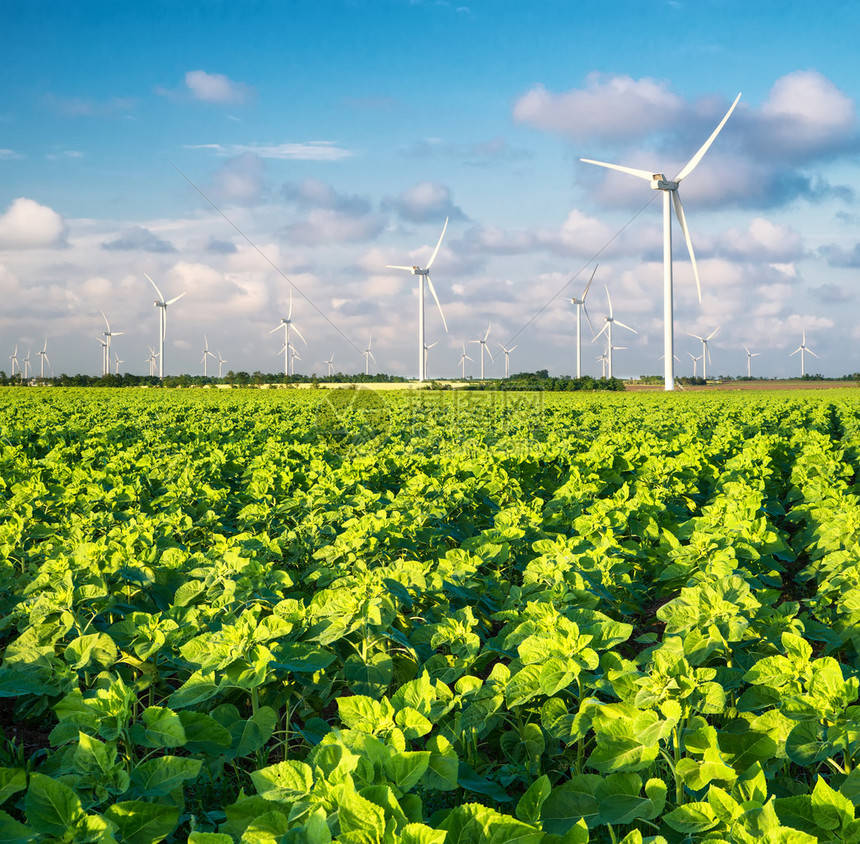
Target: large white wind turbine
(671,198)
(105,364)
(427,349)
(368,355)
(221,363)
(706,351)
(163,304)
(507,352)
(425,274)
(106,348)
(151,360)
(603,358)
(293,356)
(695,359)
(26,363)
(750,356)
(484,346)
(580,308)
(14,358)
(286,324)
(801,348)
(330,364)
(206,354)
(118,362)
(463,358)
(607,327)
(43,356)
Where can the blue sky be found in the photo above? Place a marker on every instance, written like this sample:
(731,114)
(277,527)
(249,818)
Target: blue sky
(337,136)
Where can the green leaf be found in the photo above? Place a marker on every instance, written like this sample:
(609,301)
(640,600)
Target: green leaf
(796,812)
(92,756)
(285,782)
(569,802)
(51,806)
(142,823)
(443,766)
(523,686)
(806,744)
(372,677)
(302,658)
(725,807)
(93,652)
(692,818)
(13,832)
(249,736)
(199,687)
(405,769)
(419,833)
(12,780)
(266,829)
(359,815)
(157,777)
(160,728)
(204,735)
(529,806)
(209,838)
(830,809)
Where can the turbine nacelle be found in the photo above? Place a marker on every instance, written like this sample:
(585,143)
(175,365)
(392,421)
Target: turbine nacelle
(660,182)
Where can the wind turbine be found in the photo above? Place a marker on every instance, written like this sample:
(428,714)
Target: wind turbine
(484,346)
(43,356)
(160,302)
(706,352)
(427,349)
(607,327)
(695,360)
(368,355)
(106,348)
(330,364)
(750,356)
(424,274)
(221,363)
(671,198)
(118,362)
(206,354)
(463,358)
(153,357)
(293,354)
(14,358)
(27,365)
(580,307)
(603,358)
(801,348)
(286,324)
(104,356)
(507,352)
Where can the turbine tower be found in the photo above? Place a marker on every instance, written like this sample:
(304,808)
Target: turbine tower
(104,356)
(484,346)
(106,348)
(427,349)
(507,352)
(286,324)
(607,327)
(750,356)
(580,308)
(163,304)
(425,274)
(671,198)
(206,354)
(706,351)
(43,356)
(118,362)
(463,358)
(801,348)
(368,356)
(14,358)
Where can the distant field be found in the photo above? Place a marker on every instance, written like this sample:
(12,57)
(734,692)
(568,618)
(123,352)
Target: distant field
(305,616)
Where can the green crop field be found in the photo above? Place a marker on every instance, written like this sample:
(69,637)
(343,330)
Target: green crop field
(360,617)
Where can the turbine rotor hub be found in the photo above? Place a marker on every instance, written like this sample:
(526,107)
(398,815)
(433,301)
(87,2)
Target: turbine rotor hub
(660,182)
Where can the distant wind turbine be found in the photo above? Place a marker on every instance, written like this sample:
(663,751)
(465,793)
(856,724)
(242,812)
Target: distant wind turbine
(424,274)
(43,356)
(801,348)
(580,308)
(163,304)
(463,358)
(368,356)
(695,360)
(484,346)
(286,324)
(603,357)
(330,364)
(221,363)
(507,353)
(106,348)
(206,354)
(427,349)
(118,362)
(27,365)
(750,356)
(105,366)
(293,355)
(14,358)
(153,357)
(671,198)
(607,327)
(706,351)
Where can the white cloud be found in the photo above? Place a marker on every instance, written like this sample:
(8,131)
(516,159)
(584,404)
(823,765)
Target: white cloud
(307,151)
(9,154)
(28,225)
(217,88)
(239,180)
(425,202)
(762,241)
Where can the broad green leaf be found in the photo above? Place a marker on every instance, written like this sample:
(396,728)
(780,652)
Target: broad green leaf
(51,806)
(142,823)
(199,687)
(204,735)
(160,728)
(12,780)
(209,838)
(830,809)
(249,736)
(266,829)
(405,769)
(159,776)
(569,802)
(419,833)
(93,652)
(14,832)
(529,805)
(285,782)
(443,765)
(360,816)
(692,818)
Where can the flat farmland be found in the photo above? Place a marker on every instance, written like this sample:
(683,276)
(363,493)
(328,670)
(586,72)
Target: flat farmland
(358,616)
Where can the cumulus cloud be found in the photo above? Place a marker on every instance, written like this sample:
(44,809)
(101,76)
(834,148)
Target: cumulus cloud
(425,202)
(28,225)
(836,256)
(217,88)
(137,238)
(220,247)
(239,180)
(762,241)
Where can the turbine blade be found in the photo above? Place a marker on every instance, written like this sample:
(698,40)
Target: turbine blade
(176,298)
(436,250)
(625,326)
(590,324)
(490,354)
(696,336)
(512,348)
(794,352)
(300,335)
(608,299)
(489,326)
(642,174)
(436,299)
(809,351)
(160,297)
(277,328)
(679,213)
(713,332)
(605,326)
(589,283)
(746,350)
(106,321)
(691,164)
(290,311)
(396,267)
